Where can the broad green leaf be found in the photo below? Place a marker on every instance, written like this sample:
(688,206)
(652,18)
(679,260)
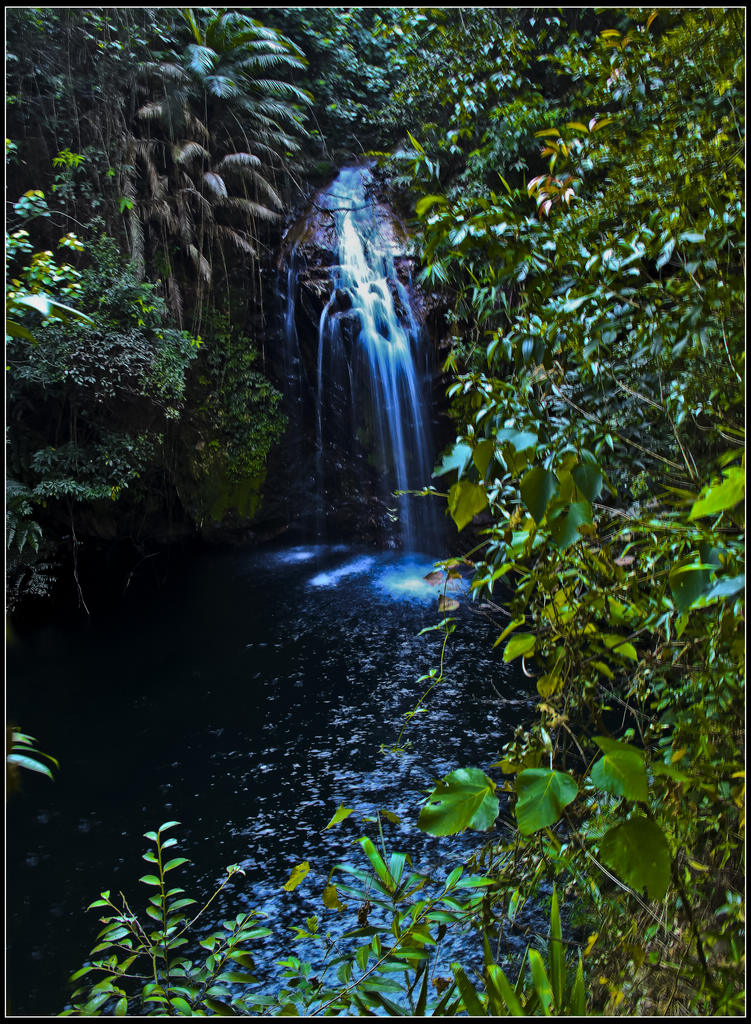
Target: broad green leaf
(30,763)
(621,770)
(720,496)
(688,583)
(637,852)
(723,589)
(564,529)
(481,456)
(340,814)
(465,501)
(18,331)
(520,644)
(498,980)
(542,795)
(537,488)
(149,880)
(514,624)
(588,480)
(378,864)
(456,459)
(297,876)
(619,645)
(541,981)
(48,306)
(470,998)
(464,799)
(175,862)
(520,440)
(424,204)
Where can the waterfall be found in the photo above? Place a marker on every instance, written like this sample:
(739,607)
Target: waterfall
(369,351)
(357,370)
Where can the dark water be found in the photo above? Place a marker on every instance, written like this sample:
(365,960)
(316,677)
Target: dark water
(247,699)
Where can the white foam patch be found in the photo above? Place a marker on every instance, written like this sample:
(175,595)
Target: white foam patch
(408,581)
(333,576)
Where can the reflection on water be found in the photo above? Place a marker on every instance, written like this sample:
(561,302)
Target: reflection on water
(246,700)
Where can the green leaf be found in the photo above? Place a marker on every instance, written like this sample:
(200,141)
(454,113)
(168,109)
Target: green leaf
(415,143)
(520,644)
(331,898)
(465,501)
(557,958)
(48,306)
(619,645)
(578,997)
(542,795)
(175,863)
(149,880)
(719,497)
(498,980)
(588,480)
(564,529)
(377,862)
(17,331)
(30,763)
(541,981)
(464,799)
(470,998)
(520,440)
(481,456)
(537,488)
(340,814)
(688,583)
(621,771)
(424,204)
(456,459)
(637,852)
(297,876)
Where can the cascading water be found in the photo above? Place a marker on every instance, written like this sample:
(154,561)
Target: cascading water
(372,368)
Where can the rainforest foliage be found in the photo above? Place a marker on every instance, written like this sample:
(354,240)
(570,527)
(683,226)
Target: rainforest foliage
(575,182)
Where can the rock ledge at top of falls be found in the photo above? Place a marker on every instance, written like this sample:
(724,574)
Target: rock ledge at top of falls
(315,229)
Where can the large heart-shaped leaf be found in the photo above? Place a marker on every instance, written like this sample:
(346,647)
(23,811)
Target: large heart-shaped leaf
(465,501)
(638,853)
(621,770)
(588,480)
(541,796)
(464,799)
(537,488)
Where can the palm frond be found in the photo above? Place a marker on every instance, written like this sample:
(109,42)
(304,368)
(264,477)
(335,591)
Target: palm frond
(238,161)
(202,265)
(215,184)
(175,298)
(187,151)
(249,207)
(202,59)
(238,239)
(281,90)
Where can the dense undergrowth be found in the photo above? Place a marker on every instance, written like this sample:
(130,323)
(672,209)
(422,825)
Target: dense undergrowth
(577,186)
